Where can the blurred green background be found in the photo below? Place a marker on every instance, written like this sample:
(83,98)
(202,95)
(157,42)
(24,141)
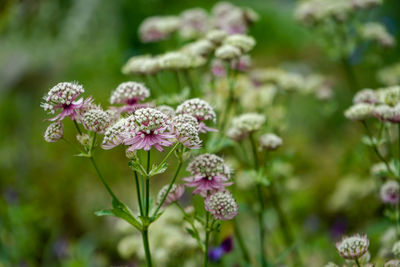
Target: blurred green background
(48,197)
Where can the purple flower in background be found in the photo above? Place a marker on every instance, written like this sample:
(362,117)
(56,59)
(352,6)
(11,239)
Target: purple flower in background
(216,253)
(339,227)
(218,68)
(390,192)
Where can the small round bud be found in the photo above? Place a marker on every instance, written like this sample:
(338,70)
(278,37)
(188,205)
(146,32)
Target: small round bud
(221,205)
(390,192)
(227,52)
(353,247)
(270,141)
(54,132)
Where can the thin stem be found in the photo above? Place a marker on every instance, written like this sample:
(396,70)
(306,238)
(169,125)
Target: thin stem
(70,143)
(242,245)
(374,147)
(358,263)
(77,127)
(178,82)
(145,237)
(102,179)
(147,196)
(261,202)
(138,193)
(190,221)
(398,144)
(168,189)
(188,82)
(169,154)
(207,241)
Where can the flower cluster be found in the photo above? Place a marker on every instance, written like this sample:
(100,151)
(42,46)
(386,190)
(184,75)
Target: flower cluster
(270,141)
(353,247)
(221,205)
(63,97)
(129,94)
(209,174)
(247,123)
(186,129)
(158,28)
(383,104)
(199,109)
(373,31)
(315,12)
(96,120)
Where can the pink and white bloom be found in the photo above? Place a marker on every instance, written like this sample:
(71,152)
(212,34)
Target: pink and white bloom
(129,94)
(221,205)
(186,130)
(390,192)
(174,194)
(63,97)
(209,174)
(147,128)
(199,109)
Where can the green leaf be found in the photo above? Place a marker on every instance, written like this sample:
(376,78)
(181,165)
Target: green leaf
(135,166)
(121,211)
(104,212)
(191,232)
(83,155)
(395,165)
(158,169)
(372,141)
(259,177)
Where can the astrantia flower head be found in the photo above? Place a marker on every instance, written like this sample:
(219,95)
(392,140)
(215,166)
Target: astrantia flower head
(359,111)
(146,128)
(63,96)
(141,65)
(244,42)
(157,28)
(209,173)
(174,194)
(194,23)
(368,96)
(221,205)
(129,94)
(390,192)
(374,31)
(113,136)
(353,247)
(54,132)
(387,113)
(227,52)
(392,263)
(175,60)
(186,129)
(270,141)
(248,122)
(167,110)
(201,47)
(236,134)
(216,36)
(96,120)
(390,95)
(199,109)
(396,249)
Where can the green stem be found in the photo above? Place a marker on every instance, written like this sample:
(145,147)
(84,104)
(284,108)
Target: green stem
(207,241)
(188,82)
(145,237)
(350,74)
(168,189)
(358,263)
(190,221)
(147,195)
(77,127)
(178,82)
(138,193)
(102,179)
(261,202)
(169,153)
(375,148)
(398,144)
(242,245)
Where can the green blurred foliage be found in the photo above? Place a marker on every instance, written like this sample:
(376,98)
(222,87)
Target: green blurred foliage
(48,197)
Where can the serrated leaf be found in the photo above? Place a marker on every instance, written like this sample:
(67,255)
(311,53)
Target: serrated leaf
(135,166)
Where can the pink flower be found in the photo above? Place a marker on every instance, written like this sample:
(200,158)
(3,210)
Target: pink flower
(390,192)
(199,109)
(209,174)
(186,130)
(174,194)
(218,68)
(63,96)
(146,128)
(129,94)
